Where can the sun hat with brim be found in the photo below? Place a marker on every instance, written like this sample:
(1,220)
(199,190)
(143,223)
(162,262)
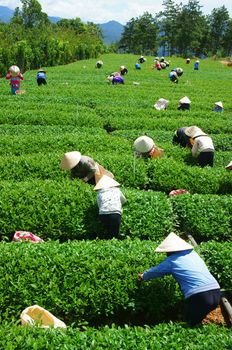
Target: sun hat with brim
(41,70)
(144,144)
(194,131)
(219,104)
(106,182)
(14,70)
(185,99)
(161,104)
(229,166)
(173,243)
(70,160)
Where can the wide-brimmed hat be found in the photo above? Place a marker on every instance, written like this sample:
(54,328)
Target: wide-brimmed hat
(184,99)
(106,182)
(194,131)
(41,70)
(219,104)
(144,144)
(122,67)
(229,166)
(70,160)
(173,243)
(161,104)
(14,70)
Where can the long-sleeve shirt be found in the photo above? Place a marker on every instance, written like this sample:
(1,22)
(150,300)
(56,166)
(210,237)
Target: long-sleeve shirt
(188,269)
(85,168)
(41,75)
(202,144)
(110,201)
(117,80)
(14,81)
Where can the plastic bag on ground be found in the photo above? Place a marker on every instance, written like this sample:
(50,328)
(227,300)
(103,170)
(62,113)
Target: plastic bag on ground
(38,316)
(177,192)
(20,236)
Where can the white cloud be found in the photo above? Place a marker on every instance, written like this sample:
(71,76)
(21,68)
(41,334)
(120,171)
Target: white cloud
(99,11)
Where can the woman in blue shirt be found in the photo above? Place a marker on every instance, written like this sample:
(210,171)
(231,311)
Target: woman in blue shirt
(200,288)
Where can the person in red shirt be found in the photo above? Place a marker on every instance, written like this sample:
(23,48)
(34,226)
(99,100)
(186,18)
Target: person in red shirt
(15,77)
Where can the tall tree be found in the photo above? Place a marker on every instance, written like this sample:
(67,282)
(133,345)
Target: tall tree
(218,22)
(32,14)
(140,35)
(168,24)
(191,28)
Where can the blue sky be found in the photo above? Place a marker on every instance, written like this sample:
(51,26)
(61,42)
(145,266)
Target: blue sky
(101,11)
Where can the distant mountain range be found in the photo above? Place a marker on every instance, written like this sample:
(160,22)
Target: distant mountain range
(111,30)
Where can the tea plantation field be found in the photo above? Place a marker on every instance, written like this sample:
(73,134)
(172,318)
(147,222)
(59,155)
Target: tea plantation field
(88,282)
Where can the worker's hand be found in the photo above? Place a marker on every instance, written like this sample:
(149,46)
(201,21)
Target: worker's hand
(140,277)
(85,179)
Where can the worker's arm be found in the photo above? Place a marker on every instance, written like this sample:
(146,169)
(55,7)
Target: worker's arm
(122,198)
(158,271)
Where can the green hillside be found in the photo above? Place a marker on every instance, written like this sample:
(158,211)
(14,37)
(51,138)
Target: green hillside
(77,275)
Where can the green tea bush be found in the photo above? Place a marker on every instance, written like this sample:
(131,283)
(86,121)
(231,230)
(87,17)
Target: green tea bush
(68,210)
(204,216)
(96,281)
(161,337)
(168,174)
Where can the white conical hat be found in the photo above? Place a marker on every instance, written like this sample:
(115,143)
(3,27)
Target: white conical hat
(14,70)
(173,243)
(179,70)
(194,131)
(70,160)
(185,99)
(106,182)
(143,144)
(122,67)
(161,104)
(219,104)
(229,166)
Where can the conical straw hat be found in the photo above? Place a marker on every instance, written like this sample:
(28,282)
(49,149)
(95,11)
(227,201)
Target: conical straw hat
(173,243)
(229,166)
(219,104)
(161,104)
(106,182)
(143,144)
(194,131)
(70,160)
(14,70)
(185,99)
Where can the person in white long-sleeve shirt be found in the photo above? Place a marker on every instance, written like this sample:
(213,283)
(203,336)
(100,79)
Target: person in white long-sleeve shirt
(110,200)
(203,148)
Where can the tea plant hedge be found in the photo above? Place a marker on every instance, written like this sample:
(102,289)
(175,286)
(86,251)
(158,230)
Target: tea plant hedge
(96,281)
(76,274)
(63,210)
(162,337)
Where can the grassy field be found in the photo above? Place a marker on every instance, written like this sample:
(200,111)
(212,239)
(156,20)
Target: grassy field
(36,195)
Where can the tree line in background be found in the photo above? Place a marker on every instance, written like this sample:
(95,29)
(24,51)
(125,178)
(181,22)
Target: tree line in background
(179,29)
(30,40)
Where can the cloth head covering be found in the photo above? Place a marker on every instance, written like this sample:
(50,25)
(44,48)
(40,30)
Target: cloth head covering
(219,104)
(106,182)
(14,70)
(161,104)
(185,99)
(70,160)
(144,144)
(194,131)
(173,243)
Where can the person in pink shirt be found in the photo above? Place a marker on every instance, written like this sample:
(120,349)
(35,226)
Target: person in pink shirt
(15,78)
